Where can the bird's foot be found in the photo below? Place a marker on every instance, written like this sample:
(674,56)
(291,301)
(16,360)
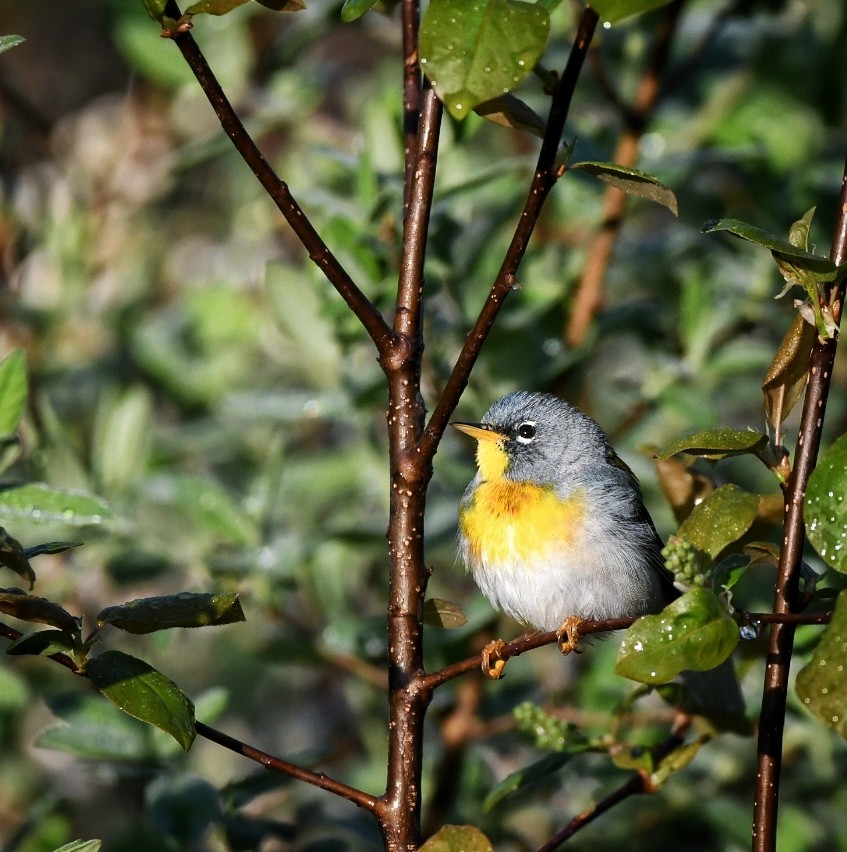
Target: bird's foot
(493,661)
(568,635)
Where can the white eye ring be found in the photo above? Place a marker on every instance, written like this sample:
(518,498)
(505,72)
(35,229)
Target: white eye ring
(526,432)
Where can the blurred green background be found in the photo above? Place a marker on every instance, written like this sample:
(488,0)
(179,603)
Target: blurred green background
(192,367)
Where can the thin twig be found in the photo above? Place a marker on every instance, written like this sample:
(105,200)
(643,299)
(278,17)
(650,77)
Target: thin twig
(411,94)
(775,688)
(279,192)
(276,764)
(545,177)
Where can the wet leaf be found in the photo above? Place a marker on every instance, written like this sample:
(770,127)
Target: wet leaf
(822,684)
(695,632)
(507,110)
(145,693)
(458,838)
(716,443)
(354,9)
(13,391)
(789,371)
(527,776)
(438,612)
(474,52)
(186,609)
(825,506)
(39,610)
(46,504)
(631,181)
(722,518)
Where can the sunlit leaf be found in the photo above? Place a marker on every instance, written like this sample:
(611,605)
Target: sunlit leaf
(825,506)
(676,760)
(473,52)
(693,632)
(683,487)
(822,684)
(46,504)
(716,443)
(186,609)
(145,693)
(438,612)
(789,371)
(81,846)
(722,518)
(13,391)
(798,233)
(9,41)
(458,838)
(632,182)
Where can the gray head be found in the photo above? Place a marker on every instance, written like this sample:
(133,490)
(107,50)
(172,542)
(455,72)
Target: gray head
(542,435)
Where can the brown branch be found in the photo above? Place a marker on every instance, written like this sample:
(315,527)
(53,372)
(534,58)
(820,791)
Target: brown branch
(545,177)
(276,764)
(775,689)
(411,94)
(588,296)
(279,192)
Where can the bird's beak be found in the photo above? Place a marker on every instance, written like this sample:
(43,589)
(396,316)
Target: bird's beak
(480,431)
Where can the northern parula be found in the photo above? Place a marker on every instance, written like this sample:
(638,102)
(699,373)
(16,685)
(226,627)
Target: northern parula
(553,526)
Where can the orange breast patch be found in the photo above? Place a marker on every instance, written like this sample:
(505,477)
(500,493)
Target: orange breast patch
(509,521)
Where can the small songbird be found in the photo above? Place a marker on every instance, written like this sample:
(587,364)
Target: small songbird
(553,526)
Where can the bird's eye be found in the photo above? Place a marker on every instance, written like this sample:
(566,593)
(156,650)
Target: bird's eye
(526,433)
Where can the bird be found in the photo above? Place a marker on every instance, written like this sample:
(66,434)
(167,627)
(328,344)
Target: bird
(553,526)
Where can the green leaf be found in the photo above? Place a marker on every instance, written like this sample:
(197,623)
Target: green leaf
(145,693)
(632,182)
(183,807)
(695,632)
(7,42)
(825,506)
(42,643)
(820,266)
(676,760)
(213,7)
(95,729)
(788,373)
(46,504)
(122,434)
(616,10)
(354,9)
(50,547)
(186,609)
(39,610)
(527,776)
(473,52)
(822,684)
(13,556)
(458,838)
(438,612)
(155,8)
(722,518)
(510,111)
(716,444)
(283,5)
(798,233)
(13,391)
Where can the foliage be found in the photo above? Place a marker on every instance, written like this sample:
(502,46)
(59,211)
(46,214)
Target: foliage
(199,409)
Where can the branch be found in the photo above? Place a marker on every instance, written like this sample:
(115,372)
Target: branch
(317,779)
(531,641)
(775,688)
(279,192)
(545,177)
(588,295)
(411,94)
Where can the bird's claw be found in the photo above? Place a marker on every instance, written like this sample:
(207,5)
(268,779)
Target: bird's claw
(568,635)
(493,661)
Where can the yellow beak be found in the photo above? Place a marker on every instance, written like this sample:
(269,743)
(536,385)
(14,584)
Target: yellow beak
(479,431)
